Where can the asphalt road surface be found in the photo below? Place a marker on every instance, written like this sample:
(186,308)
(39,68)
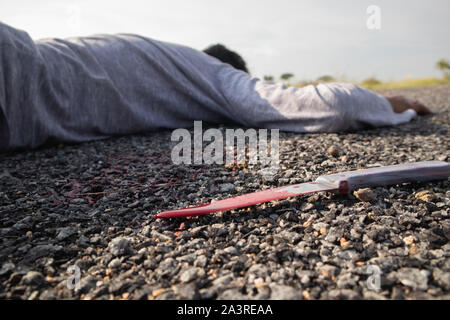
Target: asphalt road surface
(85,211)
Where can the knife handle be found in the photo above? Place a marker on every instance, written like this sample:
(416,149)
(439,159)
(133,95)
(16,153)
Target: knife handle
(382,176)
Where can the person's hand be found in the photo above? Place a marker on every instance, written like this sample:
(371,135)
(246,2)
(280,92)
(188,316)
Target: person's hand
(400,104)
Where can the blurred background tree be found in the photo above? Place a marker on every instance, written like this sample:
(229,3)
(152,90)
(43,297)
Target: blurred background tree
(268,78)
(286,76)
(444,66)
(326,78)
(372,81)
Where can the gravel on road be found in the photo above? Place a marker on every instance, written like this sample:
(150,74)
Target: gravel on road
(85,212)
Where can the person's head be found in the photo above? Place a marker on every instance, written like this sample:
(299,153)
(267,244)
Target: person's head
(225,55)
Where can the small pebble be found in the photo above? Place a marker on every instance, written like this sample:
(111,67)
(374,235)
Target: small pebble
(188,275)
(333,151)
(364,195)
(425,195)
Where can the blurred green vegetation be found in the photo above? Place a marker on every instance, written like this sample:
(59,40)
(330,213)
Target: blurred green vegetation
(373,83)
(406,83)
(444,66)
(286,76)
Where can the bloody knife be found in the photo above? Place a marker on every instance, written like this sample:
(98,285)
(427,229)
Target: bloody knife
(342,183)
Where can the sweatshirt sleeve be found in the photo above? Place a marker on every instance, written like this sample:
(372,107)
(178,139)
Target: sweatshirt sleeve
(332,107)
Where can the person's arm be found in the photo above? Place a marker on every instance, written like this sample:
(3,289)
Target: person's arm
(400,104)
(330,107)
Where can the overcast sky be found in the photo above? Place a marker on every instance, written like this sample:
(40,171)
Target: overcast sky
(307,38)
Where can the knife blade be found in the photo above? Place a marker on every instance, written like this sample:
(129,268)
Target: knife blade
(342,183)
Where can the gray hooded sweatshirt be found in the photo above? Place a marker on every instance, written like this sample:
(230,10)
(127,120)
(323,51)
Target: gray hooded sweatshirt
(88,88)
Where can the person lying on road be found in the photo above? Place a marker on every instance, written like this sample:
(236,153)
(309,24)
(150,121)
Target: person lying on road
(88,88)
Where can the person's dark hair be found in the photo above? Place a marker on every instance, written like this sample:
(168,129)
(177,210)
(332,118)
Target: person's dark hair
(225,55)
